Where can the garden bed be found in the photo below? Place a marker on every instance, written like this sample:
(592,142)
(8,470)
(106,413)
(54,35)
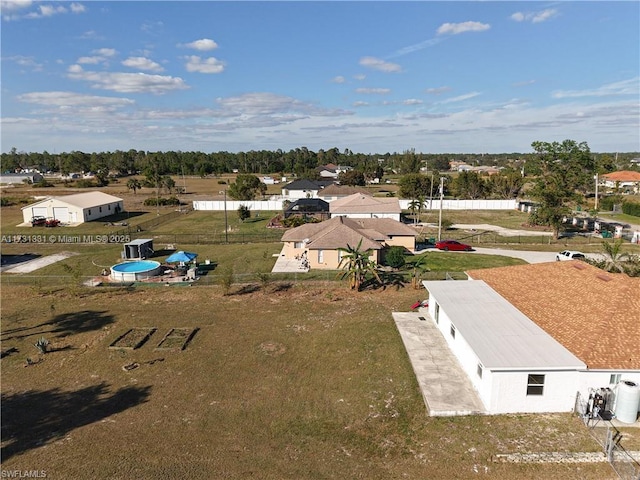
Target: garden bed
(133,338)
(176,339)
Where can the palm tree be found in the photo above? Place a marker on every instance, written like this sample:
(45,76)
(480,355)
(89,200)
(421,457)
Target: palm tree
(417,205)
(418,267)
(133,184)
(356,265)
(614,257)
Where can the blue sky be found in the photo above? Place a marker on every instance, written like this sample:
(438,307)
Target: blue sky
(373,77)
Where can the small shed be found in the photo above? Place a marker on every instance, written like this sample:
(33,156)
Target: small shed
(138,249)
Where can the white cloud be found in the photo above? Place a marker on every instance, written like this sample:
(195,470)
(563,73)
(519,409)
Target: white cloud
(69,99)
(535,17)
(152,28)
(360,76)
(203,45)
(460,98)
(46,11)
(262,103)
(375,91)
(29,62)
(128,82)
(416,47)
(142,63)
(438,90)
(412,101)
(456,28)
(207,65)
(381,65)
(338,79)
(77,8)
(624,87)
(105,52)
(360,104)
(100,55)
(14,5)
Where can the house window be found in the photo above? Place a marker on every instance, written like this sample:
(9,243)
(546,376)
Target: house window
(452,330)
(297,245)
(614,379)
(535,384)
(109,206)
(479,370)
(89,212)
(100,209)
(437,313)
(320,256)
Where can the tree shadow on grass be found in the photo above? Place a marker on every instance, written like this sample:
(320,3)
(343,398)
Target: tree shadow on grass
(63,325)
(34,418)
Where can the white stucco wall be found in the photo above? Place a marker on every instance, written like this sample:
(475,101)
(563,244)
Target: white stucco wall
(505,391)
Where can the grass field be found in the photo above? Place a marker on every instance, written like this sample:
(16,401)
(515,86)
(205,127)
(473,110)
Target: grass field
(290,378)
(301,380)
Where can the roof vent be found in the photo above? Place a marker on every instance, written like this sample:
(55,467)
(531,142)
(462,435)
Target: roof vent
(579,266)
(604,278)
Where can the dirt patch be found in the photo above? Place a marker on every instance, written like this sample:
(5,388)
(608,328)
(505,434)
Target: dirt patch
(272,349)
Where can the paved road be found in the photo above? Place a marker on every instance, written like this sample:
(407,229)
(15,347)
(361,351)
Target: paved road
(527,256)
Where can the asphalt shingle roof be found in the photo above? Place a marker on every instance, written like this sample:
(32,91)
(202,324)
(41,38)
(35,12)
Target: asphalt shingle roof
(594,314)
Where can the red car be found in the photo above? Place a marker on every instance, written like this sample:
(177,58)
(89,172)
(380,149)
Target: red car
(454,246)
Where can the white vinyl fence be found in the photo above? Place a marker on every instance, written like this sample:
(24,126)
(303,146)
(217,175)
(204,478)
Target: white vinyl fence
(276,204)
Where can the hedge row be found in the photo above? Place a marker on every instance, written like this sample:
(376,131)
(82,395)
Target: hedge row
(631,208)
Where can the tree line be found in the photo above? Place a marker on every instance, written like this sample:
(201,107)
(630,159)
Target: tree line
(299,161)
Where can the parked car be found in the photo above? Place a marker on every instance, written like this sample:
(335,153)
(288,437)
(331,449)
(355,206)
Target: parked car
(570,255)
(38,221)
(453,245)
(52,222)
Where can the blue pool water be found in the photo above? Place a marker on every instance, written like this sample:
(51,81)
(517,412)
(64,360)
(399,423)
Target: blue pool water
(136,267)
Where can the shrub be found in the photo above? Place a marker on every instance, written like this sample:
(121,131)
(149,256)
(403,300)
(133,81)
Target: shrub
(607,203)
(160,201)
(394,257)
(631,208)
(85,183)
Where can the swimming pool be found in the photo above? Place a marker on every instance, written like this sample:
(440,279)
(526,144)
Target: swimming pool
(135,271)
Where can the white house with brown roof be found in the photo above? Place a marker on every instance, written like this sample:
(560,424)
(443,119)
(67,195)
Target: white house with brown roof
(74,209)
(319,242)
(362,205)
(531,337)
(625,180)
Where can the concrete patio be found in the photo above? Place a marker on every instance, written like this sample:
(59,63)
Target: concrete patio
(445,387)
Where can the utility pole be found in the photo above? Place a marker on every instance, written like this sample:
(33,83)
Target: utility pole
(596,177)
(440,214)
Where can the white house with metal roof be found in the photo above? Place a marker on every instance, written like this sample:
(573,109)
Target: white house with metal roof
(531,337)
(514,365)
(74,209)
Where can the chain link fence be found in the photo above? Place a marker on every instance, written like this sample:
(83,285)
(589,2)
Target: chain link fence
(610,439)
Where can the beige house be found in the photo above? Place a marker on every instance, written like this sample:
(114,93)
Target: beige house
(74,209)
(318,243)
(335,192)
(362,205)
